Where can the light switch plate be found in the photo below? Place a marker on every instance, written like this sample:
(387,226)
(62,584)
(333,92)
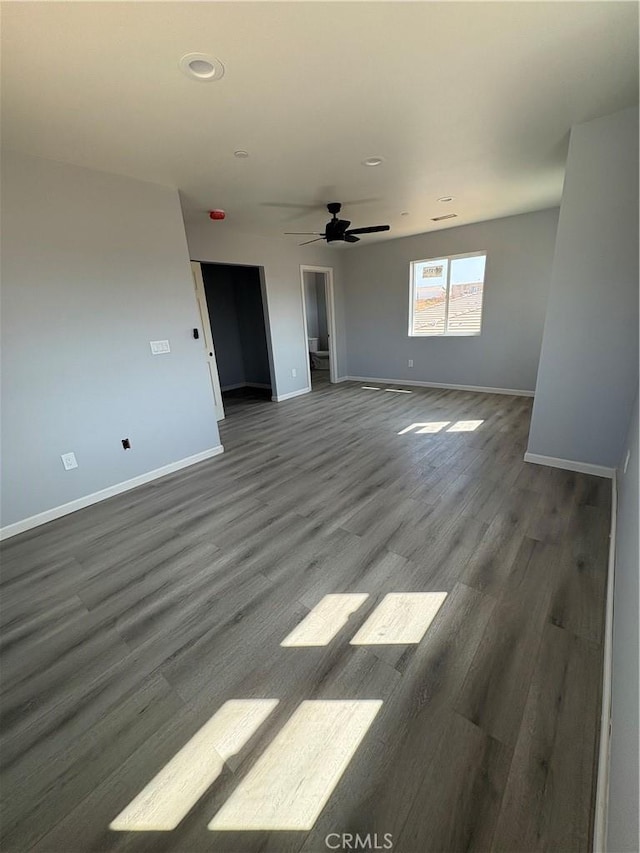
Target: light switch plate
(69,461)
(159,347)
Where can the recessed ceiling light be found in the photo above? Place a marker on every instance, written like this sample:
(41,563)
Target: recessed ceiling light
(200,66)
(446,198)
(446,216)
(373,161)
(241,154)
(404,213)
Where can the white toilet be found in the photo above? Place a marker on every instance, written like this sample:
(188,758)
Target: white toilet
(319,358)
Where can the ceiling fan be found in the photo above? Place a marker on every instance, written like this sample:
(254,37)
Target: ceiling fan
(337,230)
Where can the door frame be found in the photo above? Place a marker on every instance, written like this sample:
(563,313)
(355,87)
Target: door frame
(207,334)
(331,319)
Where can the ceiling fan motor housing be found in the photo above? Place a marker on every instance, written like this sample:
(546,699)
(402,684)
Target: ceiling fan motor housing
(335,229)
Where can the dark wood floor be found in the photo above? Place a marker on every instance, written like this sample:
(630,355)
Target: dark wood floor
(127,625)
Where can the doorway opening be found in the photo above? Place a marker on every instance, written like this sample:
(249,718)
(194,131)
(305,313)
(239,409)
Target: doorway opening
(319,323)
(235,321)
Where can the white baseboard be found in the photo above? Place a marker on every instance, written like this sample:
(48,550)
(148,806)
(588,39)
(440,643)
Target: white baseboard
(340,379)
(516,392)
(280,397)
(604,751)
(103,494)
(570,465)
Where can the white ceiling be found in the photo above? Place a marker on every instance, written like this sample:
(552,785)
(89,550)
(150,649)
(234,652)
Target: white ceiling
(472,100)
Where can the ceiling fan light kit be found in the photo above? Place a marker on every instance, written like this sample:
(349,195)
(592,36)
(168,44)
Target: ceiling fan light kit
(337,230)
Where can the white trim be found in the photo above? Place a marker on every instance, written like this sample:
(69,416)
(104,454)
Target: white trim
(604,752)
(104,494)
(331,317)
(570,465)
(305,328)
(280,397)
(480,388)
(209,345)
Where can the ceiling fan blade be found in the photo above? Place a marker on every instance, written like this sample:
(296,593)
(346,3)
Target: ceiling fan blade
(349,238)
(304,233)
(370,230)
(359,201)
(291,206)
(306,243)
(298,211)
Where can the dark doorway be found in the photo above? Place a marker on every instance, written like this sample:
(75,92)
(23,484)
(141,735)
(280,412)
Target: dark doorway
(237,318)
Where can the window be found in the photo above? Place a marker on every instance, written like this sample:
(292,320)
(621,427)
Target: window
(446,295)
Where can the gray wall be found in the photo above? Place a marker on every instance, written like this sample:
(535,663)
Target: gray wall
(588,372)
(321,302)
(623,790)
(316,307)
(94,266)
(218,242)
(519,254)
(311,303)
(252,326)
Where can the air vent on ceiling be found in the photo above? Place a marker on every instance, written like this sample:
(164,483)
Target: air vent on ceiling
(446,216)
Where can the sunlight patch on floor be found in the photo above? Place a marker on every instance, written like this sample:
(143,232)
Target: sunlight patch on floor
(400,618)
(290,783)
(465,426)
(325,620)
(436,426)
(391,390)
(173,792)
(425,426)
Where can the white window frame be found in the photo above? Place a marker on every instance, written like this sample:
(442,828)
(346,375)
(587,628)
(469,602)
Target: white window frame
(412,301)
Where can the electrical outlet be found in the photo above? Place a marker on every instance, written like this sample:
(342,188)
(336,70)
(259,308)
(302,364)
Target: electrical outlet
(69,461)
(294,372)
(626,461)
(410,362)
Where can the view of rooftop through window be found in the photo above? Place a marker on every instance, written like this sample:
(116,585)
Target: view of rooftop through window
(446,295)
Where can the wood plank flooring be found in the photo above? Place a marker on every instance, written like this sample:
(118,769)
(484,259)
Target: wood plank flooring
(128,625)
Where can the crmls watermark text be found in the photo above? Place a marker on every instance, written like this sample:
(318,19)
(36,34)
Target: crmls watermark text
(349,841)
